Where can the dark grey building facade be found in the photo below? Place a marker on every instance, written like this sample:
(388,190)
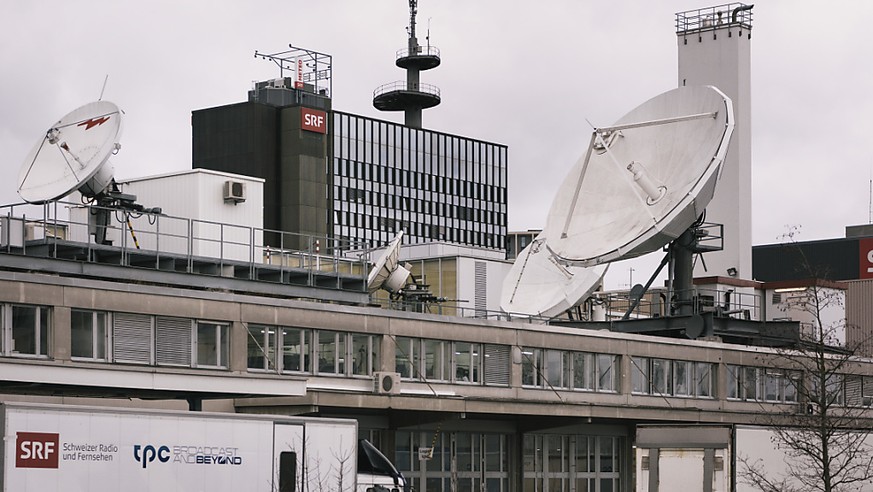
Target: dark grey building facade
(266,137)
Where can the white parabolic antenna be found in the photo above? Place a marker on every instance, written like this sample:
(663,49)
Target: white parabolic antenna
(387,272)
(641,183)
(538,285)
(644,180)
(73,155)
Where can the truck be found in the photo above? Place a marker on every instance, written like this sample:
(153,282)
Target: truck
(56,447)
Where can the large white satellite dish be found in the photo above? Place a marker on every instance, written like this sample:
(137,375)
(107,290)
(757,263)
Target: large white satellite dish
(644,180)
(387,272)
(641,183)
(538,285)
(73,155)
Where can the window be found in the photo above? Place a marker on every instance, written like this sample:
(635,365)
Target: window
(171,341)
(295,350)
(531,366)
(365,354)
(330,348)
(88,334)
(661,377)
(568,370)
(762,384)
(436,358)
(211,344)
(262,342)
(556,369)
(467,362)
(28,330)
(593,372)
(652,376)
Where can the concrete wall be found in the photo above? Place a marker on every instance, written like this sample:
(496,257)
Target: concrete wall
(722,57)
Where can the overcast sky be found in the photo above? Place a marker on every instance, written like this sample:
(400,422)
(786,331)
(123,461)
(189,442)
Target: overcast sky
(525,74)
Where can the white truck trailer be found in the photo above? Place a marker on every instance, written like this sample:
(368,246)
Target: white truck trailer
(48,448)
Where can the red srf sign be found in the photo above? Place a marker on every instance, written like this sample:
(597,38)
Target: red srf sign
(36,450)
(313,120)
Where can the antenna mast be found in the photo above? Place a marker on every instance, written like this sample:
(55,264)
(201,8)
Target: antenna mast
(411,96)
(413,9)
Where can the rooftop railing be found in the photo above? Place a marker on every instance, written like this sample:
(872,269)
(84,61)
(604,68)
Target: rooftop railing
(730,14)
(66,230)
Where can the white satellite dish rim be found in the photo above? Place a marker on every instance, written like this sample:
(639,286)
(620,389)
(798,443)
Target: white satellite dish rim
(46,190)
(569,285)
(387,262)
(690,199)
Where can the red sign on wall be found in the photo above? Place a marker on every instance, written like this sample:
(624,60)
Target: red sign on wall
(36,450)
(313,120)
(865,262)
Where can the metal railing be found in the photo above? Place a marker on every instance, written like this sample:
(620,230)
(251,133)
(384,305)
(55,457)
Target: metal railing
(656,303)
(420,51)
(401,85)
(163,242)
(730,14)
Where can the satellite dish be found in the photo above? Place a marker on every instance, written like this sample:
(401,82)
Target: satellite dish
(539,285)
(73,155)
(644,180)
(387,273)
(641,184)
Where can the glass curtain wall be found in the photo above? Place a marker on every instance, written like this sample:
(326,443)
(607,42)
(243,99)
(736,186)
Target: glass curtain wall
(434,186)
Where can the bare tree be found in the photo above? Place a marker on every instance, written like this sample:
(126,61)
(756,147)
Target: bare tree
(825,442)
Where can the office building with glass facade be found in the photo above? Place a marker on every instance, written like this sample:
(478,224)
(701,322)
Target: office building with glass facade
(434,186)
(356,179)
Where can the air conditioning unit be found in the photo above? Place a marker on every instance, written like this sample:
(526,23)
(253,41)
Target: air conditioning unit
(234,191)
(386,383)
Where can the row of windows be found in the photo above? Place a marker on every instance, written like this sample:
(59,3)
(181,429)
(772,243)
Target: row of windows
(370,140)
(416,231)
(651,376)
(425,359)
(559,369)
(119,337)
(172,341)
(285,349)
(375,173)
(762,384)
(442,210)
(27,330)
(784,386)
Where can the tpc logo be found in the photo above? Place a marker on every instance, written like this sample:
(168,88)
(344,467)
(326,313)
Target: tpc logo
(149,453)
(36,450)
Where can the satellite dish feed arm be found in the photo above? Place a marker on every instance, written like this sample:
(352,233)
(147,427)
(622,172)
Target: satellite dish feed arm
(662,121)
(636,301)
(594,136)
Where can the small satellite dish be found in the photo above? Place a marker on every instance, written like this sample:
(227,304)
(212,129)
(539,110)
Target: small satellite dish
(539,285)
(387,272)
(73,155)
(644,180)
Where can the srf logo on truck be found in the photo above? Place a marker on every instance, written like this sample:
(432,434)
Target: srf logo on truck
(36,450)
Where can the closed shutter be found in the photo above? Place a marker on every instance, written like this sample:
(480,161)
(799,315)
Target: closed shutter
(480,295)
(497,365)
(853,391)
(173,341)
(132,338)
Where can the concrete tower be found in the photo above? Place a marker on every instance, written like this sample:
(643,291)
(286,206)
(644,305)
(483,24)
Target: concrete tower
(714,49)
(411,96)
